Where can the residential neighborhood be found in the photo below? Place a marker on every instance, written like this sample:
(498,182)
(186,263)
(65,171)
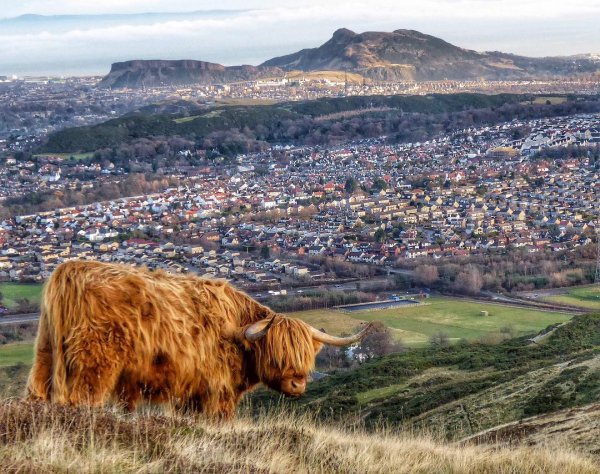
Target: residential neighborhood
(264,218)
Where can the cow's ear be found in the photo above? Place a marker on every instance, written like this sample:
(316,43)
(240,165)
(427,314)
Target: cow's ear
(249,334)
(255,332)
(235,335)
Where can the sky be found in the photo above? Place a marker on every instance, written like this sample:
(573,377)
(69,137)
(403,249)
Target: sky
(252,31)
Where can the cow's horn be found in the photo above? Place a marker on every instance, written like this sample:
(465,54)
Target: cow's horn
(339,341)
(259,329)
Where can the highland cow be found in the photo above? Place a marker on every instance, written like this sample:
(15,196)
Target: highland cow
(127,334)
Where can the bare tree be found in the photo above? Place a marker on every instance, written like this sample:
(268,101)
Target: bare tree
(427,274)
(439,340)
(377,343)
(468,281)
(332,357)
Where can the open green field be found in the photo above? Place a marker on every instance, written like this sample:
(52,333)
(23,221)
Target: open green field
(13,292)
(334,322)
(457,318)
(584,296)
(66,156)
(17,353)
(554,100)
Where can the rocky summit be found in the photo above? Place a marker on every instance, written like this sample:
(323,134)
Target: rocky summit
(411,55)
(153,73)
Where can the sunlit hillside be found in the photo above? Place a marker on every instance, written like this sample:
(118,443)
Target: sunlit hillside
(45,438)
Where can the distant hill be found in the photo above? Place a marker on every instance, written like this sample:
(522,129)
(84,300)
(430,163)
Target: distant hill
(379,56)
(402,118)
(152,73)
(411,55)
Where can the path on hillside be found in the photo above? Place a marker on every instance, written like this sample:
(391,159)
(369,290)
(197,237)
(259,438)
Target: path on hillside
(19,318)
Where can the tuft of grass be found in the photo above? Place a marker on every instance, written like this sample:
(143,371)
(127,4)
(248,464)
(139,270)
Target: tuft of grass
(38,437)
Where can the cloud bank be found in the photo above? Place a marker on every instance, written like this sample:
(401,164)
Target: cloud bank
(57,45)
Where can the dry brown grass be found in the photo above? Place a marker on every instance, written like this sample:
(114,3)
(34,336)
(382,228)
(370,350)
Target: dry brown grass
(45,438)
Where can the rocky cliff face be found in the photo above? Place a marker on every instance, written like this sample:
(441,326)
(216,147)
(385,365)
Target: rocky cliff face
(140,73)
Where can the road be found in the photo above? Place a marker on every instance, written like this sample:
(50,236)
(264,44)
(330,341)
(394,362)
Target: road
(19,318)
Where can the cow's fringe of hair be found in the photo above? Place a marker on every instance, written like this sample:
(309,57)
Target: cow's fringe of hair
(287,347)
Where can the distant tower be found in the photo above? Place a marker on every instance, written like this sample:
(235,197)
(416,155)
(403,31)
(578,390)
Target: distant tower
(597,275)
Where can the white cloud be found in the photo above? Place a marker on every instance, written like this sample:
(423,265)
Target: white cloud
(521,26)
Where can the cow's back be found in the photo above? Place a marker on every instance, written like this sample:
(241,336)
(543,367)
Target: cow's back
(124,329)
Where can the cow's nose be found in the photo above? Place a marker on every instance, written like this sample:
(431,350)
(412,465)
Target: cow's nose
(295,384)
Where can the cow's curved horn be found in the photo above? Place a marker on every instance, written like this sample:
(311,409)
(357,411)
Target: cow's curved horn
(259,329)
(339,341)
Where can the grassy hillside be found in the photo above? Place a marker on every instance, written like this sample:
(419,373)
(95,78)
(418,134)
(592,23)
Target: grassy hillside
(295,122)
(471,407)
(463,389)
(458,390)
(584,296)
(13,292)
(46,438)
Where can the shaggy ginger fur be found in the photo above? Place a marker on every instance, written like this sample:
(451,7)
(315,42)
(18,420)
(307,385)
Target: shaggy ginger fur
(115,331)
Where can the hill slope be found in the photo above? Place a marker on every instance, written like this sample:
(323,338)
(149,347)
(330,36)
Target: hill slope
(46,438)
(411,55)
(153,73)
(512,407)
(295,123)
(381,56)
(465,389)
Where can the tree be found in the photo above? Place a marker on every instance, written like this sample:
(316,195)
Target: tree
(351,185)
(469,281)
(331,357)
(265,252)
(379,185)
(439,340)
(379,235)
(427,274)
(377,343)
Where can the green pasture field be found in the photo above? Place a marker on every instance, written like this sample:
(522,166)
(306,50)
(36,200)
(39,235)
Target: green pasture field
(554,100)
(334,322)
(66,156)
(584,296)
(17,353)
(457,318)
(13,292)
